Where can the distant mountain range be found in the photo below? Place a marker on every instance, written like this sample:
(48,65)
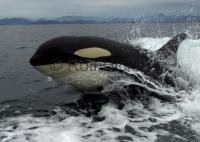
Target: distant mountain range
(14,21)
(161,18)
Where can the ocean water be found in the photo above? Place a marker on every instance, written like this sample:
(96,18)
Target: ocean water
(33,108)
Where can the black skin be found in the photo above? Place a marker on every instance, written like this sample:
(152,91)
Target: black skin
(61,50)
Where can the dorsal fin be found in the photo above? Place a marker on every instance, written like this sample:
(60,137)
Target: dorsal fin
(171,47)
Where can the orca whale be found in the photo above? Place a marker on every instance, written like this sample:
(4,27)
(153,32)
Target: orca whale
(86,62)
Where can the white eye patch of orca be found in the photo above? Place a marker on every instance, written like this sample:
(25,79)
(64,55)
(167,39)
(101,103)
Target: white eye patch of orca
(92,52)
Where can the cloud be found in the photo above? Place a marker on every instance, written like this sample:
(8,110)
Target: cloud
(103,8)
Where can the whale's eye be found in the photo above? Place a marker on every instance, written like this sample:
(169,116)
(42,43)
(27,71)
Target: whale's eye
(92,52)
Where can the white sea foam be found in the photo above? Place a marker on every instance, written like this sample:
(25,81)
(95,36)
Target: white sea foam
(64,128)
(189,59)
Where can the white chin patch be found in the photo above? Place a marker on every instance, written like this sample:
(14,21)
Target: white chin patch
(78,75)
(87,80)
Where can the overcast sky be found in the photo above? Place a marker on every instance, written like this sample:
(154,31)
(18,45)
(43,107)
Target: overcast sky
(100,8)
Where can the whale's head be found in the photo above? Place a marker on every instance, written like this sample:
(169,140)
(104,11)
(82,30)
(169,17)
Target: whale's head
(65,56)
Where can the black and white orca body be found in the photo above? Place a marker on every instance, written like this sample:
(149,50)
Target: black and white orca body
(88,63)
